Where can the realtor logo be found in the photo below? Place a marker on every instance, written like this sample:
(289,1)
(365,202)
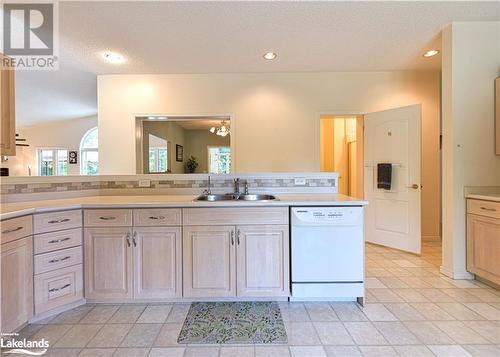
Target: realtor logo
(30,35)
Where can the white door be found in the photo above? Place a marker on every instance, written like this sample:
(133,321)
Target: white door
(393,216)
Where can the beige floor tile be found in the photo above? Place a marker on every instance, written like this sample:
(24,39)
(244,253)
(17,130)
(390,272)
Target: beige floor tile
(463,284)
(396,333)
(378,312)
(307,351)
(482,350)
(131,352)
(485,310)
(364,333)
(348,311)
(168,335)
(178,313)
(410,295)
(404,312)
(96,352)
(459,332)
(449,351)
(28,331)
(155,314)
(427,332)
(167,352)
(100,314)
(141,335)
(438,282)
(374,283)
(51,333)
(386,295)
(72,316)
(201,352)
(461,295)
(321,312)
(127,314)
(459,311)
(485,295)
(431,311)
(110,335)
(435,295)
(342,351)
(272,351)
(333,333)
(393,283)
(237,351)
(78,336)
(413,351)
(301,333)
(59,352)
(378,351)
(293,311)
(487,329)
(415,283)
(399,272)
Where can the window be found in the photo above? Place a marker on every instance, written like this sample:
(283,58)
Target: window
(89,154)
(219,159)
(52,162)
(158,154)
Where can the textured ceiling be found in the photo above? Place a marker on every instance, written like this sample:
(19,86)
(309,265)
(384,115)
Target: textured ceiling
(222,37)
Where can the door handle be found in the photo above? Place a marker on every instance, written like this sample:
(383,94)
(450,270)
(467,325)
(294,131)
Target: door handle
(414,186)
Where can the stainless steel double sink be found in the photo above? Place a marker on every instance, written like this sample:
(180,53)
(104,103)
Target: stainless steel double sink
(235,197)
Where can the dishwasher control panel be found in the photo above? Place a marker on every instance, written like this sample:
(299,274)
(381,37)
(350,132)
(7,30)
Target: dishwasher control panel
(345,215)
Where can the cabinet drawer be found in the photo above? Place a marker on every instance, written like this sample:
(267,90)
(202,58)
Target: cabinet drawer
(108,217)
(56,221)
(157,217)
(58,287)
(484,208)
(57,260)
(16,228)
(235,215)
(48,242)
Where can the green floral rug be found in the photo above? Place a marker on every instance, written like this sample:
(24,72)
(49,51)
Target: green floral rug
(233,322)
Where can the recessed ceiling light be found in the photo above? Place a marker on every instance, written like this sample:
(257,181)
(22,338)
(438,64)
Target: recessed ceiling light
(431,53)
(270,55)
(113,57)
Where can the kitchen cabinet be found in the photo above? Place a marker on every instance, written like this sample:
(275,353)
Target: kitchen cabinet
(157,262)
(7,112)
(209,261)
(108,263)
(17,283)
(483,239)
(263,260)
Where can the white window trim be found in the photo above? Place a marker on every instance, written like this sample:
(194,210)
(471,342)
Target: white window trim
(218,146)
(54,159)
(82,150)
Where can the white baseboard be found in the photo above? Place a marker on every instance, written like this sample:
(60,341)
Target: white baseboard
(56,311)
(457,275)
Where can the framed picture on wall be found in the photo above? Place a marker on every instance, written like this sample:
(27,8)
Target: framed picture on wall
(73,157)
(179,153)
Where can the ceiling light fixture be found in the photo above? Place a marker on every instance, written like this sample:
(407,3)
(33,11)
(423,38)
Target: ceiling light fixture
(431,53)
(113,57)
(222,130)
(270,56)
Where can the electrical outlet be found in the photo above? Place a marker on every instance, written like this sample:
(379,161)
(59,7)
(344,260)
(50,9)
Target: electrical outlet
(144,183)
(300,181)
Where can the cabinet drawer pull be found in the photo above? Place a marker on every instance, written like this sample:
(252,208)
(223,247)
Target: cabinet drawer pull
(133,239)
(232,237)
(128,239)
(157,217)
(59,260)
(59,240)
(61,288)
(62,220)
(488,209)
(12,230)
(238,237)
(107,218)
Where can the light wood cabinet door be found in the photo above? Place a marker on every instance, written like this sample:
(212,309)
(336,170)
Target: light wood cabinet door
(17,283)
(209,261)
(157,262)
(263,261)
(483,246)
(108,263)
(7,112)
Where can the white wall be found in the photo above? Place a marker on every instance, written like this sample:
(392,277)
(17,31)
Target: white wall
(471,62)
(65,134)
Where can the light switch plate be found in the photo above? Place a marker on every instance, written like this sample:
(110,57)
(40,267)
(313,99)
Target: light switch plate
(300,181)
(144,183)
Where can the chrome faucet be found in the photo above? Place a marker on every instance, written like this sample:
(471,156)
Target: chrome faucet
(236,186)
(208,191)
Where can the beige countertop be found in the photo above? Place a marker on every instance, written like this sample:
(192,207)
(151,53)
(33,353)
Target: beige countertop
(15,209)
(485,196)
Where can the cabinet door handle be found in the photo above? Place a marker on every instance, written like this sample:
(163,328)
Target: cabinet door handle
(12,230)
(133,239)
(59,240)
(62,220)
(59,260)
(238,237)
(488,209)
(232,237)
(128,238)
(157,217)
(107,218)
(61,288)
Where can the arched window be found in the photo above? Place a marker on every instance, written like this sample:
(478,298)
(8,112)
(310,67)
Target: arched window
(89,154)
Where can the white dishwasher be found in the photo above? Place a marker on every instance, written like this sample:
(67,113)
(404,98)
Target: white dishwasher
(327,253)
